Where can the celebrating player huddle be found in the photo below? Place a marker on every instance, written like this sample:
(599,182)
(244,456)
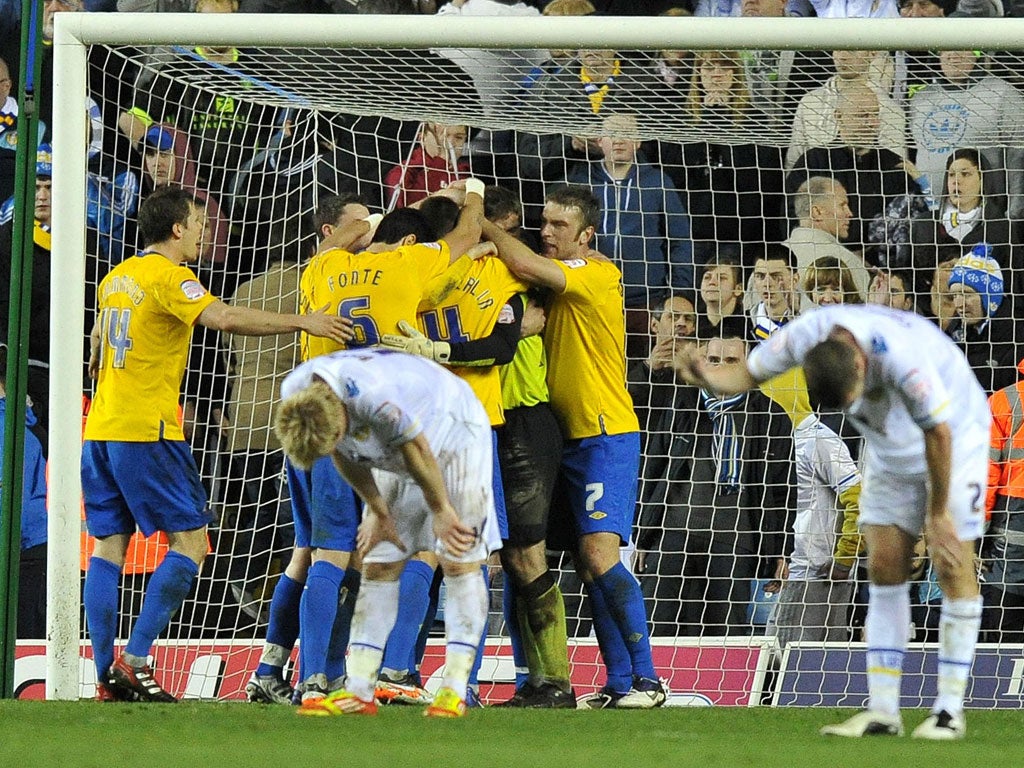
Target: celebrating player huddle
(416,443)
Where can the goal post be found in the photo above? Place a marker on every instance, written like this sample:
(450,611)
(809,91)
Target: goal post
(329,39)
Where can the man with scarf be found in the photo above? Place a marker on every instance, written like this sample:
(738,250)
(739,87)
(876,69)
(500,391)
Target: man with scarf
(715,501)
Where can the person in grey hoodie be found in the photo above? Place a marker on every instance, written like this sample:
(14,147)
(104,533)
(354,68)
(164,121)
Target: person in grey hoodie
(969,107)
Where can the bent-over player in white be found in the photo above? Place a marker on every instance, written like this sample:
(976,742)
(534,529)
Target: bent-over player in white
(415,443)
(911,393)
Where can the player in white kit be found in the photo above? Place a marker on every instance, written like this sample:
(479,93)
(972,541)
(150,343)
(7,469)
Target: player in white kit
(925,420)
(415,443)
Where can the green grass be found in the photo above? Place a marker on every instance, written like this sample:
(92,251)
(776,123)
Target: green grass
(196,735)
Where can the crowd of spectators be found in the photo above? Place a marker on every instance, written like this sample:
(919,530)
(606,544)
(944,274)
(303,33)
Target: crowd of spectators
(738,189)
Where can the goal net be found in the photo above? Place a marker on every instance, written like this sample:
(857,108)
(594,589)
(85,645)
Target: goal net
(707,143)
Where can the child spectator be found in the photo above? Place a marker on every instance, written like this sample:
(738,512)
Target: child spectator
(434,163)
(817,593)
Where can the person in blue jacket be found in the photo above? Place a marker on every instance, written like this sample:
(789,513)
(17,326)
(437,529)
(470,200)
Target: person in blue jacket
(644,227)
(32,576)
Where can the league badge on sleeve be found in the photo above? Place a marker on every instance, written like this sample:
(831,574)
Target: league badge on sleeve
(193,289)
(575,263)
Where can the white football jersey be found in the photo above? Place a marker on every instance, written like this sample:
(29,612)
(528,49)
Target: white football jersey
(391,397)
(916,379)
(824,470)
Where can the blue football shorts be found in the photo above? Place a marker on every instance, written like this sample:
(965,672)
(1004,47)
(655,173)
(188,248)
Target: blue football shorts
(154,486)
(325,508)
(598,481)
(499,490)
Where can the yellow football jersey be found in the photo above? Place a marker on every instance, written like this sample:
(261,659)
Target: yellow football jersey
(789,391)
(585,339)
(147,307)
(470,312)
(374,290)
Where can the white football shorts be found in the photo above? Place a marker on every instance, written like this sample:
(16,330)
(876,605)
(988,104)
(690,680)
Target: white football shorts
(465,457)
(891,499)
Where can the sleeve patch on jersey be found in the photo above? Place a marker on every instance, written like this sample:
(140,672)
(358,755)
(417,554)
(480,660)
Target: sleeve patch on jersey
(916,387)
(390,414)
(192,289)
(575,263)
(507,315)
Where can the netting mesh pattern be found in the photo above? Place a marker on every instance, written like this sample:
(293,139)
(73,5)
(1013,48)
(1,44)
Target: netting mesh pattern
(698,160)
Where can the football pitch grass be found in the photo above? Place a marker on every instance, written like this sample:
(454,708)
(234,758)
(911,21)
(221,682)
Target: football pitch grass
(208,735)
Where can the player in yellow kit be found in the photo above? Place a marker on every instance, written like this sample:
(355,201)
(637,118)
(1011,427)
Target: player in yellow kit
(585,342)
(473,330)
(386,283)
(343,222)
(137,469)
(404,267)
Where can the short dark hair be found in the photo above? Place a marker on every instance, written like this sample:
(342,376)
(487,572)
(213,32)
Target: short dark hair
(442,213)
(500,202)
(975,158)
(401,223)
(971,155)
(906,277)
(831,371)
(331,208)
(658,308)
(580,198)
(723,260)
(161,210)
(772,252)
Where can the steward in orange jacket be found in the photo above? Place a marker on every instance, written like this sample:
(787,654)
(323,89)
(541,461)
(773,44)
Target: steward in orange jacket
(1004,505)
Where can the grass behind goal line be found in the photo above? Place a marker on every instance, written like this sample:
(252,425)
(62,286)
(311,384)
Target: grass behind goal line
(201,735)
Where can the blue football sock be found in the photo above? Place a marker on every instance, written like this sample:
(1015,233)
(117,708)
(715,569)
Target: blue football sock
(609,640)
(102,581)
(625,604)
(413,600)
(317,611)
(342,624)
(474,672)
(283,628)
(515,635)
(168,587)
(416,657)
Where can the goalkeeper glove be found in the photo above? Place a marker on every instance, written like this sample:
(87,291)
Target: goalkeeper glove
(415,343)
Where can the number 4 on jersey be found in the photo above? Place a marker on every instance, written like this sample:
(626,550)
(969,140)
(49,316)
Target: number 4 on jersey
(114,325)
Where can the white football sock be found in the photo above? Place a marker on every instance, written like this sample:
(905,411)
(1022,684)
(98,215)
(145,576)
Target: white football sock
(959,623)
(465,615)
(887,630)
(275,655)
(375,613)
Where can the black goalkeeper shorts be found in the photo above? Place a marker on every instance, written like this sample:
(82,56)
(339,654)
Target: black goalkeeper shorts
(529,451)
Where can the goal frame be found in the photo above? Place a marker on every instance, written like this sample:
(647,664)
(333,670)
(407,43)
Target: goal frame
(74,32)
